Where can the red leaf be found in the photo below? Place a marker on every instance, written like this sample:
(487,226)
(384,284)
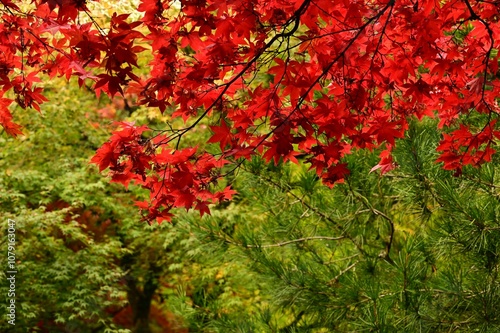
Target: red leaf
(202,208)
(222,134)
(386,163)
(104,156)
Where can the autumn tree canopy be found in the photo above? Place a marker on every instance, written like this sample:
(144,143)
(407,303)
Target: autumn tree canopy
(315,79)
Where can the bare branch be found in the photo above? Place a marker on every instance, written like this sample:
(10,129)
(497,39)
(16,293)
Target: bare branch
(298,240)
(342,272)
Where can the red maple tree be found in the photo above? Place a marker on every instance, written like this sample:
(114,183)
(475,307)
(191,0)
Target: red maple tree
(276,78)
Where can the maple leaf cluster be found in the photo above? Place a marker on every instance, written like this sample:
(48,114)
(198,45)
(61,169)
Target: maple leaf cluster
(277,78)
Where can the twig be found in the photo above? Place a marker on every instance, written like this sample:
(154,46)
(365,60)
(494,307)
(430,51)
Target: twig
(293,241)
(341,259)
(342,272)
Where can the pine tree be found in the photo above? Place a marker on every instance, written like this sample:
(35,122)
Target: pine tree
(415,250)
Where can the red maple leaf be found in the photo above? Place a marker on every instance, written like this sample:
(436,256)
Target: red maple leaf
(222,134)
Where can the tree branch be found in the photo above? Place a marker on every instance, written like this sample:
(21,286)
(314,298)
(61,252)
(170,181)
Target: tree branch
(342,272)
(312,208)
(298,240)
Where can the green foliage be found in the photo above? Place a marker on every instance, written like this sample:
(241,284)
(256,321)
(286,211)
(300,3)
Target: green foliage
(67,254)
(83,253)
(413,251)
(58,285)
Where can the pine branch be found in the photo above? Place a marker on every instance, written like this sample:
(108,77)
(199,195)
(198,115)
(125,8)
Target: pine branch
(342,272)
(249,246)
(288,190)
(386,253)
(341,259)
(293,241)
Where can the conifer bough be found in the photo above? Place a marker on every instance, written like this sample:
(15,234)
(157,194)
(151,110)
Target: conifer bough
(279,78)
